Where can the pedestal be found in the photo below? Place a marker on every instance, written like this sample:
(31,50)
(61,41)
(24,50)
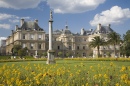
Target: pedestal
(50,59)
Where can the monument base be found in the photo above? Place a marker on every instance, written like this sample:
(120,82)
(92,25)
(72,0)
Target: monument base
(50,59)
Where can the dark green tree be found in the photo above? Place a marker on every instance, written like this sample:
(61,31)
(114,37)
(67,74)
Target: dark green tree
(21,53)
(97,42)
(125,46)
(114,39)
(68,54)
(45,54)
(60,54)
(15,49)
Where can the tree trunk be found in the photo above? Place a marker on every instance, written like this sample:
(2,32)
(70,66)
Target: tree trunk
(114,50)
(98,51)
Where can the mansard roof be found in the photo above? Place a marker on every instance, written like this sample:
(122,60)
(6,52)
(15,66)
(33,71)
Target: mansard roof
(103,29)
(30,25)
(57,32)
(66,31)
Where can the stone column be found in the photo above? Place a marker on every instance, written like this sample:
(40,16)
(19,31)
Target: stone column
(50,59)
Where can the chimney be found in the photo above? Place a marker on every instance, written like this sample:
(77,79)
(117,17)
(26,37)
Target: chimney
(12,31)
(16,27)
(21,22)
(82,31)
(99,26)
(36,21)
(91,30)
(109,25)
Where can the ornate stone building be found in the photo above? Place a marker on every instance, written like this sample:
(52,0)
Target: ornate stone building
(30,35)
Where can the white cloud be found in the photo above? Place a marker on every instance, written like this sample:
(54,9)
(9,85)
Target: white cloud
(19,4)
(5,26)
(4,16)
(73,6)
(115,15)
(10,19)
(14,20)
(3,38)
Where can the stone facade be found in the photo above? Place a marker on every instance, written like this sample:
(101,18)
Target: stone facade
(30,35)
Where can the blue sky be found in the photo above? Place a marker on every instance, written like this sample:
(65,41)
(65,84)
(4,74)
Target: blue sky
(77,13)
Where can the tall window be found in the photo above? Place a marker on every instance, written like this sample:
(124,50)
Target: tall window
(84,47)
(77,47)
(58,47)
(32,46)
(23,36)
(39,36)
(32,36)
(69,47)
(39,46)
(23,45)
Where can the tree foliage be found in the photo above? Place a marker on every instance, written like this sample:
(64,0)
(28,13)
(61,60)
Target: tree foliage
(18,50)
(97,42)
(45,54)
(125,47)
(114,39)
(60,53)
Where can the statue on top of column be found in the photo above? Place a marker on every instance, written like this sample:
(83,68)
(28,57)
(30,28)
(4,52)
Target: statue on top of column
(51,17)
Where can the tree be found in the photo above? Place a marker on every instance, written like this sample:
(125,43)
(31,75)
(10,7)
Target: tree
(60,53)
(125,47)
(68,54)
(97,42)
(45,54)
(22,52)
(15,49)
(114,39)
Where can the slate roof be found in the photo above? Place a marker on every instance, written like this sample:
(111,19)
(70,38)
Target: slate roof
(66,31)
(103,29)
(57,32)
(30,25)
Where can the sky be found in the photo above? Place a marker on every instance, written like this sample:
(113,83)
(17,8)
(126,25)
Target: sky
(76,14)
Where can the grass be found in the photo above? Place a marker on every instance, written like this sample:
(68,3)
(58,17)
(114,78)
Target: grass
(65,73)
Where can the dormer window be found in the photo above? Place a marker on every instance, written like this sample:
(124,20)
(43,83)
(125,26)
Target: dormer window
(24,36)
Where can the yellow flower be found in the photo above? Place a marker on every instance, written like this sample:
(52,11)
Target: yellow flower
(91,67)
(123,68)
(117,84)
(105,76)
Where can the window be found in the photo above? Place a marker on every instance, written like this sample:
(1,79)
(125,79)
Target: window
(32,36)
(39,46)
(23,36)
(58,47)
(77,47)
(32,45)
(84,54)
(84,47)
(69,47)
(23,45)
(39,36)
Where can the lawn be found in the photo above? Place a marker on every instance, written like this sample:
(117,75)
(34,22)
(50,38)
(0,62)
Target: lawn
(65,73)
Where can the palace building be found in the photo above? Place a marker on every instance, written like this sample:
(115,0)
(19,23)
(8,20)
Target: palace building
(29,34)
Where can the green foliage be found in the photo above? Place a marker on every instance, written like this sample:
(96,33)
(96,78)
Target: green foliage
(125,46)
(15,49)
(60,53)
(108,54)
(97,42)
(68,54)
(45,54)
(114,39)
